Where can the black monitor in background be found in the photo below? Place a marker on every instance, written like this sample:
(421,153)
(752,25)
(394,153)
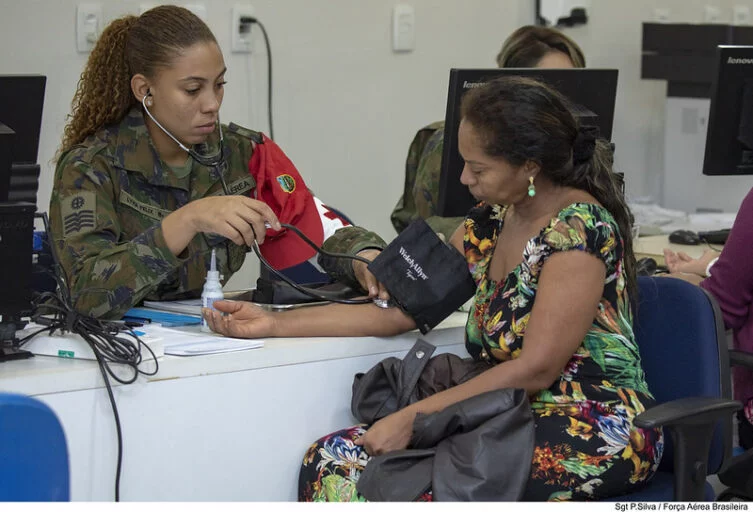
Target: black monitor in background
(21,102)
(729,138)
(592,94)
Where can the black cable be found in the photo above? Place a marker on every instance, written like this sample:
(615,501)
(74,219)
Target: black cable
(249,19)
(308,291)
(111,342)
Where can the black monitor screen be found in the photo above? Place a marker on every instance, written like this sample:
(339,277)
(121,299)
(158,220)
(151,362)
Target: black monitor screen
(21,101)
(729,139)
(591,91)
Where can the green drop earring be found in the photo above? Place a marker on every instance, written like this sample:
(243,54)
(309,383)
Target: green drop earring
(531,187)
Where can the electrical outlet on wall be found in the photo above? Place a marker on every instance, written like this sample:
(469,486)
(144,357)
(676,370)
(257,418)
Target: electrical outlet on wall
(662,14)
(741,15)
(712,14)
(240,32)
(89,25)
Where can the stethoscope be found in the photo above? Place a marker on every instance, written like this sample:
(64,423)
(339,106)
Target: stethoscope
(213,160)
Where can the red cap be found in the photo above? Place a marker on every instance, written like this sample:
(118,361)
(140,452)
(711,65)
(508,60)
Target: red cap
(279,185)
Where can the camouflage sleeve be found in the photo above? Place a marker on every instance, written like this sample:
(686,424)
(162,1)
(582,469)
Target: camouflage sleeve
(426,188)
(405,210)
(348,240)
(105,277)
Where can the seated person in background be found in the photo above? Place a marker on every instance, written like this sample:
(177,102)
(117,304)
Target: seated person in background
(556,323)
(728,276)
(528,47)
(132,214)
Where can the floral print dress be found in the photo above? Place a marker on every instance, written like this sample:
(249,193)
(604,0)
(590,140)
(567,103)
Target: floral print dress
(586,446)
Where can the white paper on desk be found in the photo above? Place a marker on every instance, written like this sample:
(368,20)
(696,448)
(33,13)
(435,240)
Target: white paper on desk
(184,343)
(185,307)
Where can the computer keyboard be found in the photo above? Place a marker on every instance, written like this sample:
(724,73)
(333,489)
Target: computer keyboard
(718,236)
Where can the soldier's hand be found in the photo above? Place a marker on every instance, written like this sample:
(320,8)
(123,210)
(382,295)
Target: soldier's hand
(238,218)
(365,278)
(241,320)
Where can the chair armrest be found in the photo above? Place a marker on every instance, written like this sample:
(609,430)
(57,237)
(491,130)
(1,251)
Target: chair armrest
(686,411)
(691,423)
(740,358)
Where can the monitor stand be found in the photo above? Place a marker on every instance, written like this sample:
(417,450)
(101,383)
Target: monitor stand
(9,343)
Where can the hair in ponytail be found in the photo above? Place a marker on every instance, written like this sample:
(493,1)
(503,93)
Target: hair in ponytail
(127,46)
(523,120)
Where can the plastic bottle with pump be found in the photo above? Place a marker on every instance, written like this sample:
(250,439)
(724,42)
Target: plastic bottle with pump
(212,290)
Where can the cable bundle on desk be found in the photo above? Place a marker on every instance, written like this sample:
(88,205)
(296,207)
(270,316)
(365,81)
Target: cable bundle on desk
(111,342)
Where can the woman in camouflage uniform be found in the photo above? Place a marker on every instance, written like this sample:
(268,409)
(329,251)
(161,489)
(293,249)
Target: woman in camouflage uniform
(132,214)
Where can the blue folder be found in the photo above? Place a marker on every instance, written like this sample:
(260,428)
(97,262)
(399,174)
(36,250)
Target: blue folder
(146,315)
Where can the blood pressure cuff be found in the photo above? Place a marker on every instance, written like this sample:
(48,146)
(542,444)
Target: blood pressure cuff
(426,278)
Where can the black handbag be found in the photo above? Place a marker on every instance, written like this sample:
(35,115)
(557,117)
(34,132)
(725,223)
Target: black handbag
(479,449)
(395,383)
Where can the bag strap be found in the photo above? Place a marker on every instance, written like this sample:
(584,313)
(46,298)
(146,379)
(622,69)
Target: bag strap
(414,363)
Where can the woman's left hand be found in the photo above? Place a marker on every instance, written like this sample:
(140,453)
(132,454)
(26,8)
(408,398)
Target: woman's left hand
(391,433)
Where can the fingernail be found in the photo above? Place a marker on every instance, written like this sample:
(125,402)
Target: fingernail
(372,290)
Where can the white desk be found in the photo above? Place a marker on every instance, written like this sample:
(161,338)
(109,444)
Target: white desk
(225,427)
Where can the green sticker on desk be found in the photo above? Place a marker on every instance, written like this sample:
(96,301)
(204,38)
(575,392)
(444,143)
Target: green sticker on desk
(65,353)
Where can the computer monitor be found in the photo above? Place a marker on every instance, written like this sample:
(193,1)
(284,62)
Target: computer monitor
(591,92)
(729,137)
(21,104)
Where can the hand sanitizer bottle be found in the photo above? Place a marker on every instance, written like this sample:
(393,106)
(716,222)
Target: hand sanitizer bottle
(212,290)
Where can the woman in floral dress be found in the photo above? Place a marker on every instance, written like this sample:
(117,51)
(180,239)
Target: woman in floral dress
(554,278)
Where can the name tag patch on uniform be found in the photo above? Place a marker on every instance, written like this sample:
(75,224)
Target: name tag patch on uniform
(148,210)
(241,185)
(237,187)
(78,213)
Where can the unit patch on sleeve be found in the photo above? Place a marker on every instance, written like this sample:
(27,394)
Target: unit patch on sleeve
(78,212)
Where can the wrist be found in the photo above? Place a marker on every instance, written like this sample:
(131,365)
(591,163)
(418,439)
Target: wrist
(707,270)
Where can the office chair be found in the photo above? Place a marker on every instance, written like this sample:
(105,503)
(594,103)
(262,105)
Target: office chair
(33,451)
(737,473)
(680,334)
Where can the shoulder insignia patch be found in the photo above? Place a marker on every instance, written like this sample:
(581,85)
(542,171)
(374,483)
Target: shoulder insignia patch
(78,213)
(287,183)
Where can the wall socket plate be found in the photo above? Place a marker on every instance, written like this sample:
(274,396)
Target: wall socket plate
(662,14)
(712,14)
(89,24)
(240,34)
(741,15)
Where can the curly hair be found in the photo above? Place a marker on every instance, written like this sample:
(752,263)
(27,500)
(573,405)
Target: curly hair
(127,46)
(525,47)
(522,120)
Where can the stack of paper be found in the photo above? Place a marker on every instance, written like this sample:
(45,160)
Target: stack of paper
(189,343)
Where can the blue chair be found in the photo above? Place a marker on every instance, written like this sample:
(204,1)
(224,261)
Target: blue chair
(33,451)
(680,334)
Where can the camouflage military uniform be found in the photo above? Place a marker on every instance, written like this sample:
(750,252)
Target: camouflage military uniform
(111,193)
(421,188)
(419,200)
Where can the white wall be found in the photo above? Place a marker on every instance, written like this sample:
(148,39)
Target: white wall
(346,107)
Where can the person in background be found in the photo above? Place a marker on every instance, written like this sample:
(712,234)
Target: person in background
(148,181)
(550,251)
(728,276)
(528,47)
